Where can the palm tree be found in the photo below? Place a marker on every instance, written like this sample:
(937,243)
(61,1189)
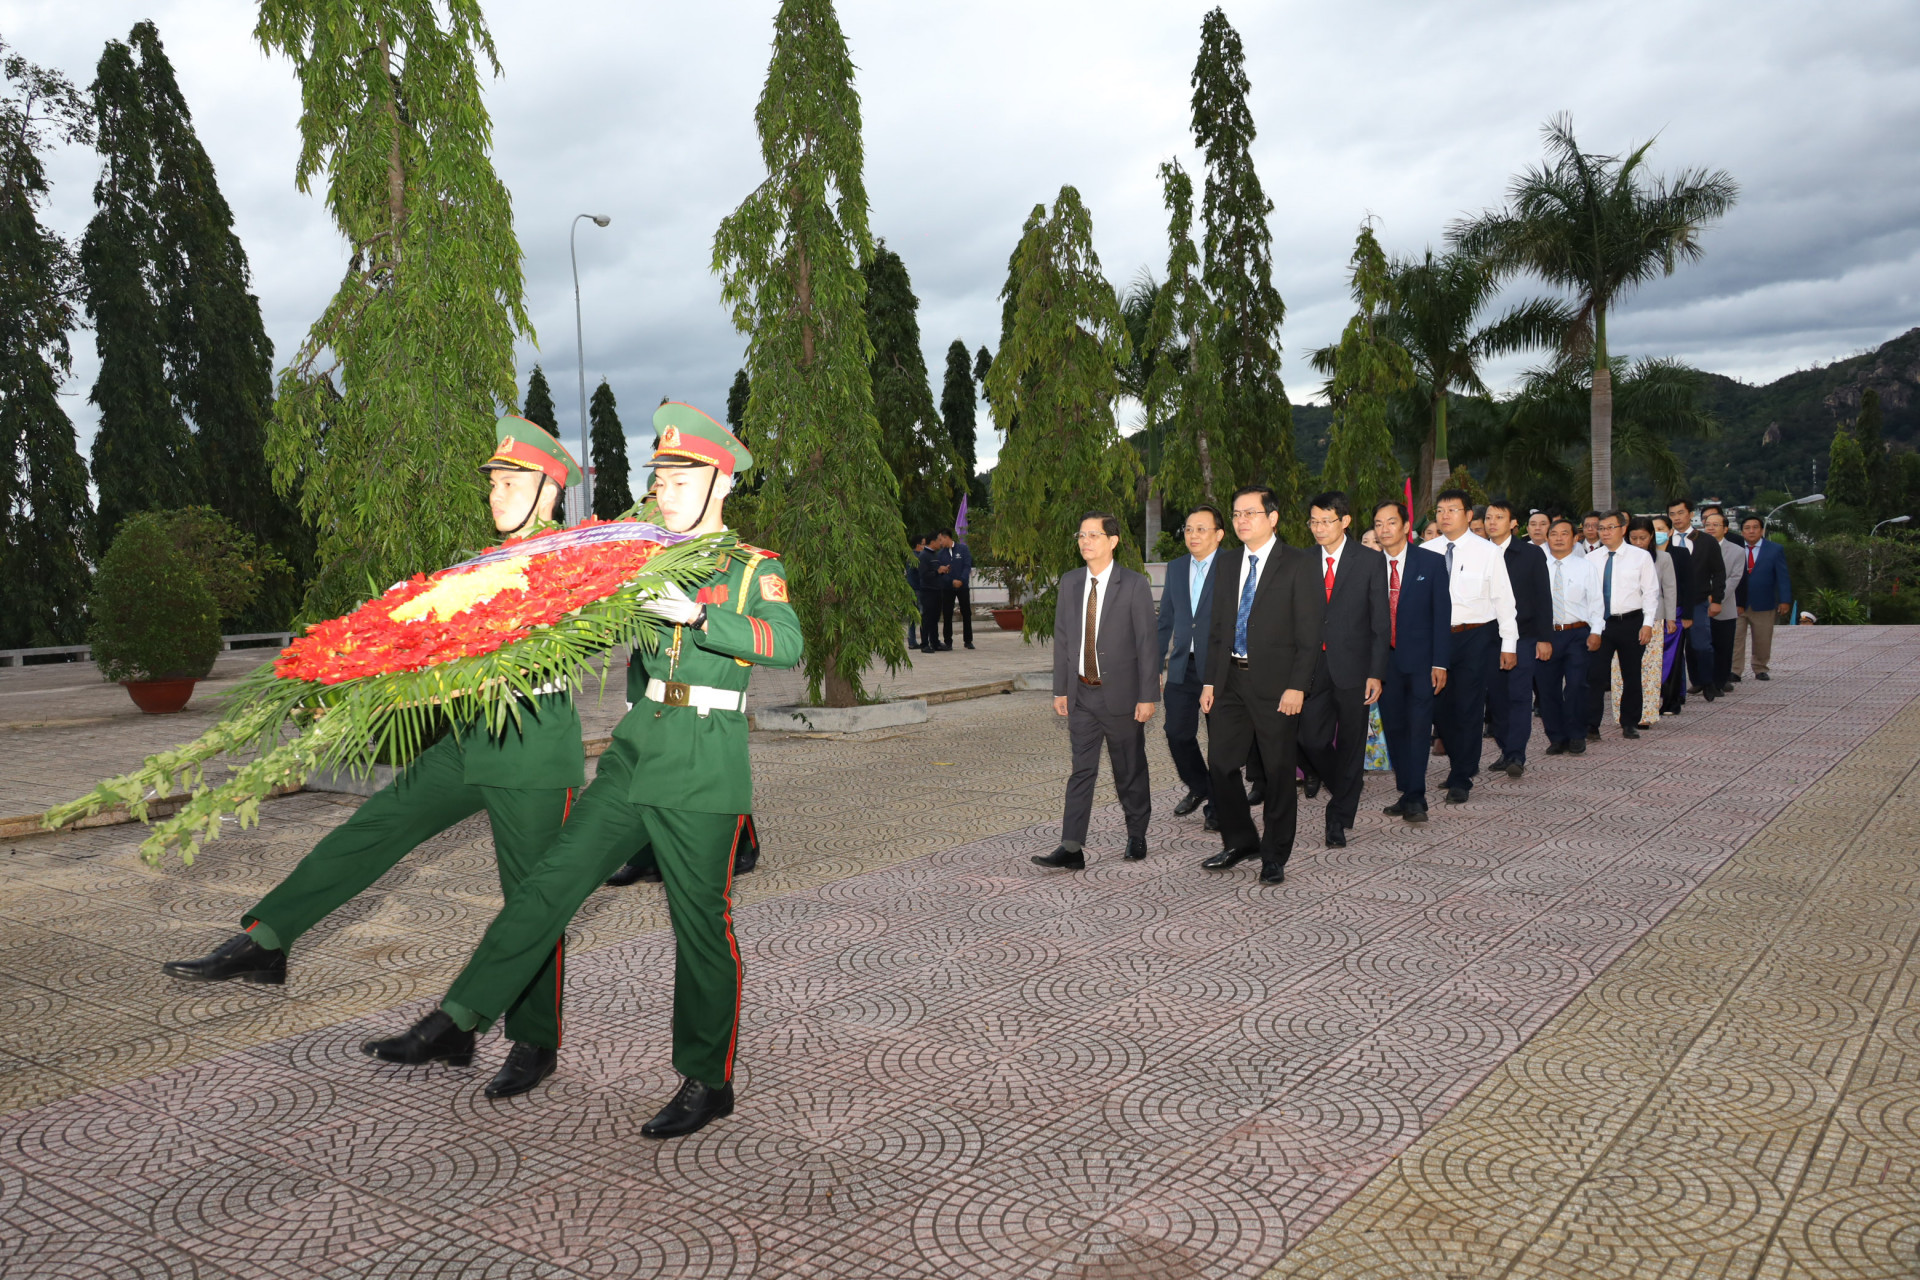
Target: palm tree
(1597,226)
(1437,305)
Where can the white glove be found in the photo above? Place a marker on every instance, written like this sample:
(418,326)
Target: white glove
(673,605)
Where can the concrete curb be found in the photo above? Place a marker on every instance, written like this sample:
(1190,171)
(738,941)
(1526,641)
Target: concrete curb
(875,715)
(1028,681)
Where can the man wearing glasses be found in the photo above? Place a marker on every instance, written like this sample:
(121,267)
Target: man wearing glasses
(1186,609)
(1262,647)
(1106,680)
(1629,594)
(1484,633)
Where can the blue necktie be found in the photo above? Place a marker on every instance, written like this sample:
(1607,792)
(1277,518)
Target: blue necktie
(1246,607)
(1606,588)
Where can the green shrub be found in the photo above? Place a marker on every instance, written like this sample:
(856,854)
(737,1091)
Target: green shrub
(1836,608)
(154,617)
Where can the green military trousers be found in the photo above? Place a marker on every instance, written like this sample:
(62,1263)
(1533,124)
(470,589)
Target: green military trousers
(429,796)
(695,855)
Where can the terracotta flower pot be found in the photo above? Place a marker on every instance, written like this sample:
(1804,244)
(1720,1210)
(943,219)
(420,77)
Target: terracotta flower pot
(159,697)
(1010,619)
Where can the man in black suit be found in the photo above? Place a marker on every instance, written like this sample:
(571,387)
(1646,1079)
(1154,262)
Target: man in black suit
(1262,645)
(1106,680)
(1707,575)
(1353,660)
(1186,610)
(1510,689)
(1419,636)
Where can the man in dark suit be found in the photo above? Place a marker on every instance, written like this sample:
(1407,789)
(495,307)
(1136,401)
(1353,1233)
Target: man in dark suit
(1510,689)
(959,588)
(1106,680)
(1419,641)
(1262,646)
(1353,660)
(1768,594)
(1706,588)
(1187,596)
(936,565)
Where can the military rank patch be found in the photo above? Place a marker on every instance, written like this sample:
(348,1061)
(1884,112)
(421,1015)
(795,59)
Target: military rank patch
(774,588)
(712,595)
(762,637)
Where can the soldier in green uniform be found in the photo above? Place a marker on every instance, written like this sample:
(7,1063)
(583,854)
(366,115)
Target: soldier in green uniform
(676,775)
(525,777)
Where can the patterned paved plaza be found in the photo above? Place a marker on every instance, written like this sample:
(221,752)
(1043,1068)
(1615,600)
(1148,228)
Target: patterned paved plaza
(1646,1012)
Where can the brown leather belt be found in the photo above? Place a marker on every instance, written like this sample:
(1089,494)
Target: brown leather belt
(1091,684)
(1567,626)
(1458,627)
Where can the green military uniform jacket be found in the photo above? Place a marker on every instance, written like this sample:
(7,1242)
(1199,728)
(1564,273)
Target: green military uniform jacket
(682,759)
(542,752)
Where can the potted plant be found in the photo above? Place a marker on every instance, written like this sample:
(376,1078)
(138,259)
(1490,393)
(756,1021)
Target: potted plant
(1014,616)
(156,627)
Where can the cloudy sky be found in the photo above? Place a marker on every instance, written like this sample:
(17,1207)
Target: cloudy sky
(1411,113)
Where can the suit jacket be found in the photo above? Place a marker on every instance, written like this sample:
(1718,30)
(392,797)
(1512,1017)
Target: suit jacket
(1126,643)
(1680,603)
(1425,627)
(1283,629)
(1767,583)
(1532,592)
(1354,629)
(1183,643)
(1707,569)
(962,564)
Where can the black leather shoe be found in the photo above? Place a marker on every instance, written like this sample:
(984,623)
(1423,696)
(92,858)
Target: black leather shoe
(1188,803)
(1336,836)
(1311,784)
(630,874)
(1226,858)
(1556,748)
(1064,858)
(1211,824)
(1136,848)
(692,1109)
(1456,795)
(1628,731)
(1397,808)
(1726,689)
(746,859)
(1709,693)
(1736,678)
(1758,675)
(1515,767)
(970,643)
(1256,796)
(238,957)
(1415,813)
(1578,747)
(1272,872)
(526,1066)
(1593,735)
(432,1039)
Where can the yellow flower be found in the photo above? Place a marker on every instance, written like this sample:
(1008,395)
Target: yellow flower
(461,591)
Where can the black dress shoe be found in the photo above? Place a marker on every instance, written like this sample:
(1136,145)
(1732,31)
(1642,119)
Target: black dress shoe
(1593,735)
(238,957)
(1336,836)
(1272,872)
(1063,857)
(432,1039)
(1136,848)
(970,643)
(1311,784)
(1515,767)
(1227,858)
(1397,808)
(1456,795)
(1415,813)
(630,874)
(693,1108)
(526,1066)
(1578,747)
(1758,675)
(1256,796)
(1556,748)
(1211,824)
(1709,693)
(1188,803)
(1628,731)
(1735,679)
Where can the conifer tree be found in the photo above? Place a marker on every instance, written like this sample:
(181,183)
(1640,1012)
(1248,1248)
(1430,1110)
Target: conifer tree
(737,397)
(143,456)
(1183,400)
(789,259)
(1847,482)
(982,365)
(911,434)
(611,493)
(959,407)
(1057,374)
(44,509)
(219,358)
(1237,270)
(394,392)
(539,406)
(1369,370)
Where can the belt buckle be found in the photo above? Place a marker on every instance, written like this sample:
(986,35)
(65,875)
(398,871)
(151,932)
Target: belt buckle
(678,695)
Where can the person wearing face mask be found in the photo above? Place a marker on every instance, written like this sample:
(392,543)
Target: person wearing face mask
(524,776)
(676,774)
(1669,649)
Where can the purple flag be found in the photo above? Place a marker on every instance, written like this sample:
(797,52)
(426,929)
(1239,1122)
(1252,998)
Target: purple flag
(960,520)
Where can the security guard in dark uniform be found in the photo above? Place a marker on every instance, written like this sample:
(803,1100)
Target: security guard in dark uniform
(676,776)
(525,777)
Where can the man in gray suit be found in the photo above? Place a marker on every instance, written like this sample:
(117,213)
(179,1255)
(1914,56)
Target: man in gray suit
(1106,680)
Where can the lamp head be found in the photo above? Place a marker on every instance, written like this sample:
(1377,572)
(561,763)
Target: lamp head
(600,219)
(1812,497)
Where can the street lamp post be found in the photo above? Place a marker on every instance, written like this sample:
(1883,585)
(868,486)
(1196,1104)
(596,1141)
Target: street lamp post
(579,344)
(1877,528)
(1791,502)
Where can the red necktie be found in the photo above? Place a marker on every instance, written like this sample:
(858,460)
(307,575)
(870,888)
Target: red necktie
(1393,602)
(1329,577)
(1750,555)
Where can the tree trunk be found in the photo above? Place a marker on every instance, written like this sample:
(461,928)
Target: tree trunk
(835,689)
(1423,479)
(1442,469)
(1601,419)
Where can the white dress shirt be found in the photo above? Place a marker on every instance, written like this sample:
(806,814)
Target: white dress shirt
(1575,591)
(1239,588)
(1320,555)
(1636,582)
(1479,585)
(1101,580)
